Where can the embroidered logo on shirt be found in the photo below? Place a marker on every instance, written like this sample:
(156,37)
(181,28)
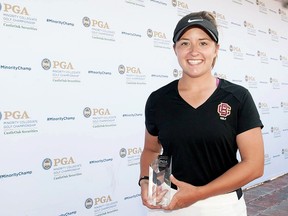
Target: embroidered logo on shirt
(224,110)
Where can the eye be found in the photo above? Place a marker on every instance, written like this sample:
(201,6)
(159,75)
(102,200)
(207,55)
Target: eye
(184,43)
(203,43)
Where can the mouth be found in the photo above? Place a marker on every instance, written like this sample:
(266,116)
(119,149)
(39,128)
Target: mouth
(195,62)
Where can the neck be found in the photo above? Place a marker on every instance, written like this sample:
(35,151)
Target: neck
(198,83)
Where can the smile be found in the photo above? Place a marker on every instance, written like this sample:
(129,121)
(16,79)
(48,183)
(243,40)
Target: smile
(195,62)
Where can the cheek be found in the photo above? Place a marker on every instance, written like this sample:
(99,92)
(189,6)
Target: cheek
(211,54)
(180,55)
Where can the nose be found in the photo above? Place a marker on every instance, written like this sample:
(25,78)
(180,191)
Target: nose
(193,50)
(193,47)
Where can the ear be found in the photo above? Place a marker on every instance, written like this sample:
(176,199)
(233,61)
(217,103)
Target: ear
(174,49)
(217,46)
(217,49)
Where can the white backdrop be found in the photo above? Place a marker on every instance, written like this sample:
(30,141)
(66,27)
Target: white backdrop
(75,76)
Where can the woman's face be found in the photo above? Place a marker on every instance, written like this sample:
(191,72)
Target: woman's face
(196,52)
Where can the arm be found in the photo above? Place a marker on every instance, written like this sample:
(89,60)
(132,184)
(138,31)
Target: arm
(251,148)
(150,152)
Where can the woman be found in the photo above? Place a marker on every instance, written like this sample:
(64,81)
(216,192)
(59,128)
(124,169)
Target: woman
(201,122)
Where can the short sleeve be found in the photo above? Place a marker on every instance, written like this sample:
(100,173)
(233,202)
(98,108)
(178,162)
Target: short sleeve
(248,116)
(150,110)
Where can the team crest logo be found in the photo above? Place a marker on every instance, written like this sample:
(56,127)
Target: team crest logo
(224,110)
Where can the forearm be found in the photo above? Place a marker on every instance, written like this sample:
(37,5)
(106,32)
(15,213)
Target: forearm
(151,150)
(251,148)
(236,177)
(147,156)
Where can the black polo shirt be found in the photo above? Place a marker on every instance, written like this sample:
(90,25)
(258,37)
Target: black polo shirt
(201,141)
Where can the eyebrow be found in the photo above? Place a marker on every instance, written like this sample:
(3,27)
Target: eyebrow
(205,38)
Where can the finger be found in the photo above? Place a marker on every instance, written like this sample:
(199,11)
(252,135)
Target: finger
(174,180)
(148,205)
(161,195)
(171,205)
(153,206)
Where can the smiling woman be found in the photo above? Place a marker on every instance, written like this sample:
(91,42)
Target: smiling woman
(201,121)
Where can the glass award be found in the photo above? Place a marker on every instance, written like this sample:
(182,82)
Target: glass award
(159,189)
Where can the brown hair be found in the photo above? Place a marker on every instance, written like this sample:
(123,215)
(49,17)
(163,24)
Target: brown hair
(209,16)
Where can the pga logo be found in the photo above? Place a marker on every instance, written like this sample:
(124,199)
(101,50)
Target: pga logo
(14,115)
(48,163)
(14,9)
(47,64)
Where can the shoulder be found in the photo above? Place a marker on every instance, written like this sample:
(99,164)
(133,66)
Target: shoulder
(164,91)
(231,87)
(238,91)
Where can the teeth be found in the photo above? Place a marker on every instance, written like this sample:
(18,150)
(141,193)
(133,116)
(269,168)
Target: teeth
(194,62)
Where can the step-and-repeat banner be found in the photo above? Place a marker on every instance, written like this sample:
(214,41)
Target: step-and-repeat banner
(74,79)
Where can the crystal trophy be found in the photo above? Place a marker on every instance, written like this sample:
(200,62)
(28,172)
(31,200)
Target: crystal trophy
(159,189)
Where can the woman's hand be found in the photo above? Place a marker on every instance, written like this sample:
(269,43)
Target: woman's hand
(185,196)
(144,195)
